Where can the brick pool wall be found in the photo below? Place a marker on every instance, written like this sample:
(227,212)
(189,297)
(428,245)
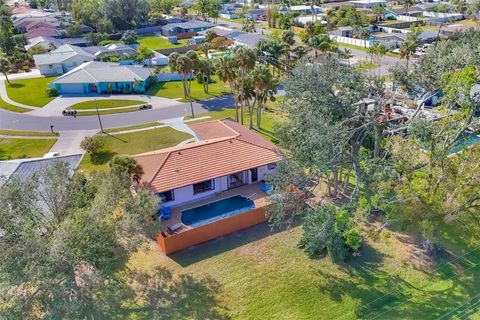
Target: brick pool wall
(188,238)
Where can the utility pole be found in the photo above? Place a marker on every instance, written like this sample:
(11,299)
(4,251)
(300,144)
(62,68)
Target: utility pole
(98,115)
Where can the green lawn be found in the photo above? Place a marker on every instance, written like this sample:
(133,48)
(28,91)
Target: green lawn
(157,42)
(132,143)
(140,126)
(174,90)
(236,20)
(30,92)
(105,104)
(11,107)
(6,132)
(257,274)
(24,148)
(107,111)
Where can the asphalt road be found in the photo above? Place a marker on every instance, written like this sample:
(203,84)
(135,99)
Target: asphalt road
(19,121)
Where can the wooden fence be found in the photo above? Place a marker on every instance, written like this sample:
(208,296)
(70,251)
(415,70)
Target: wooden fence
(176,242)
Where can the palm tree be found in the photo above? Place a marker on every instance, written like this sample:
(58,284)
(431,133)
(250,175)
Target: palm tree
(409,46)
(204,47)
(288,38)
(4,68)
(226,71)
(205,69)
(264,87)
(182,64)
(321,42)
(245,58)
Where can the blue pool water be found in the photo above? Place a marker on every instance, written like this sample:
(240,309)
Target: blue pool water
(216,211)
(465,142)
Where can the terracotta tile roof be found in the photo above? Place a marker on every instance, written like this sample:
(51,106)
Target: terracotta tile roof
(218,156)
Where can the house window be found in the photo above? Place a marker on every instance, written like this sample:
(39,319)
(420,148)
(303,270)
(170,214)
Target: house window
(271,166)
(167,196)
(203,186)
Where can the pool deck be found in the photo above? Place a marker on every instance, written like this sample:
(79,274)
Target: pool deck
(252,191)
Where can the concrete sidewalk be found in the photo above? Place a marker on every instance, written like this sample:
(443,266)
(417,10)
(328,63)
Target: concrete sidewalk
(69,141)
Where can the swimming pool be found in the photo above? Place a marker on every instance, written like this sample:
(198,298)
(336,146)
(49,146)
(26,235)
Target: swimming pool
(466,141)
(216,211)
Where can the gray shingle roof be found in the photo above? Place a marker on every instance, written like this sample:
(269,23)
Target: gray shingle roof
(61,54)
(24,169)
(187,25)
(95,72)
(249,39)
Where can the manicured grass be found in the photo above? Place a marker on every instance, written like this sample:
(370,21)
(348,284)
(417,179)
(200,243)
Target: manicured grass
(174,90)
(24,148)
(132,143)
(11,107)
(140,126)
(105,104)
(258,274)
(30,92)
(158,42)
(6,132)
(107,111)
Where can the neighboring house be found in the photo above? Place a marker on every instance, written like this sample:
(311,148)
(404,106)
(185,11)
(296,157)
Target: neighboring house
(254,14)
(42,32)
(343,32)
(228,163)
(46,42)
(184,30)
(25,169)
(248,39)
(22,24)
(227,33)
(157,60)
(390,40)
(104,78)
(112,49)
(367,4)
(303,9)
(61,60)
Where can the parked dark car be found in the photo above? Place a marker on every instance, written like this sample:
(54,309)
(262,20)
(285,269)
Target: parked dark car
(68,112)
(145,107)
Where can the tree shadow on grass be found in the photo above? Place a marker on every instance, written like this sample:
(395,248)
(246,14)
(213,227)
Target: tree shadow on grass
(102,157)
(16,85)
(159,294)
(226,243)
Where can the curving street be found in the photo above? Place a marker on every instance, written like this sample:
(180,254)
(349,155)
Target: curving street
(169,109)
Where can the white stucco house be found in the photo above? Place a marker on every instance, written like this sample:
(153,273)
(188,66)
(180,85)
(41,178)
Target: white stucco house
(61,60)
(228,156)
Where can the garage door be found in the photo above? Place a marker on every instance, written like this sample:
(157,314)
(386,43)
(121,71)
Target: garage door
(71,88)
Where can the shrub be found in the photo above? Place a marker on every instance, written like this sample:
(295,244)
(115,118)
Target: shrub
(92,144)
(51,92)
(130,37)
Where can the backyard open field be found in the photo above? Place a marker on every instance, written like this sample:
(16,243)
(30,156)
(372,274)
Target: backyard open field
(259,274)
(30,92)
(158,42)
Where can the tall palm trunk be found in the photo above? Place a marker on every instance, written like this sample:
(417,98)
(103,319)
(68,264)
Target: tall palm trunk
(242,96)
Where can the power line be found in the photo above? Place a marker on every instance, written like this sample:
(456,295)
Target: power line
(458,307)
(397,290)
(393,308)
